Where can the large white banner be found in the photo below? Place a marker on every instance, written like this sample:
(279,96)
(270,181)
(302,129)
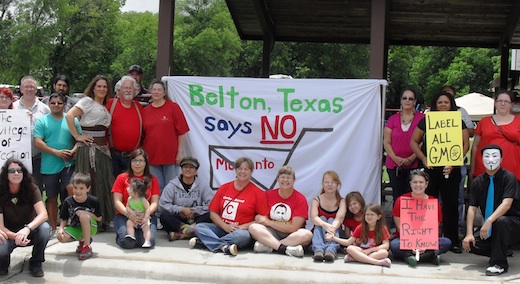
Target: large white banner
(312,125)
(15,136)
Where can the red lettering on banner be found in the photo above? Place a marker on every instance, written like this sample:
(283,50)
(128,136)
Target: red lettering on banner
(286,126)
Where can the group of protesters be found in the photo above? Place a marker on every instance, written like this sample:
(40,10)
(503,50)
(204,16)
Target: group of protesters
(116,159)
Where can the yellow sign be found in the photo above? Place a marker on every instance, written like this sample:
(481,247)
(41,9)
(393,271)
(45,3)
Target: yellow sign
(444,138)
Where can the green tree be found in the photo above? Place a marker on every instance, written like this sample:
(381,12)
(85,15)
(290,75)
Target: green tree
(86,40)
(138,41)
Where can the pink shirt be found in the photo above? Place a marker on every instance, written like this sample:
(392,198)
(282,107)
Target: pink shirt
(401,139)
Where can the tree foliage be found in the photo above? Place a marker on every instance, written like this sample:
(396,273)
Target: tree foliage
(82,38)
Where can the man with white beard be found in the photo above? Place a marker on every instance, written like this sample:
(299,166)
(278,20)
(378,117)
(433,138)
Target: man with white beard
(126,130)
(496,193)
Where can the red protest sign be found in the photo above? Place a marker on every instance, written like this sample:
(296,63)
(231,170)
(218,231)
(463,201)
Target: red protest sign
(419,224)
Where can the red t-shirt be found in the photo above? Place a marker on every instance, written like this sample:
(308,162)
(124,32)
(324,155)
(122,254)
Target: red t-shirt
(284,210)
(371,242)
(162,127)
(239,207)
(125,126)
(121,186)
(396,211)
(351,223)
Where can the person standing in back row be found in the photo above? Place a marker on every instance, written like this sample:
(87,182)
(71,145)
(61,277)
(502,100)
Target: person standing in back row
(142,95)
(165,127)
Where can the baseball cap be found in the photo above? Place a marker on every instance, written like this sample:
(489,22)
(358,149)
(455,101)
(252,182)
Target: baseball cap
(190,161)
(135,68)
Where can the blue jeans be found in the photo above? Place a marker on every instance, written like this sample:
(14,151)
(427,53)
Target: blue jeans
(39,238)
(318,239)
(164,173)
(213,237)
(444,246)
(120,228)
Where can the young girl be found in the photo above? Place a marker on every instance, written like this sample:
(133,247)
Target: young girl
(370,241)
(327,213)
(137,202)
(355,204)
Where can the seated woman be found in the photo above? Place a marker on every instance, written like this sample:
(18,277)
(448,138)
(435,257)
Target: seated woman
(184,202)
(22,217)
(418,182)
(139,169)
(327,212)
(232,210)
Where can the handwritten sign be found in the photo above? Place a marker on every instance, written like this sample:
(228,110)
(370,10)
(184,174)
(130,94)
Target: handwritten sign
(444,138)
(419,224)
(15,136)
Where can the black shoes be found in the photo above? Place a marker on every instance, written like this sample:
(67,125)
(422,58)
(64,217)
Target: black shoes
(455,249)
(36,271)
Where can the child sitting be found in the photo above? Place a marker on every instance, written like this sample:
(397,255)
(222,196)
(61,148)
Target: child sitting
(79,216)
(369,242)
(137,202)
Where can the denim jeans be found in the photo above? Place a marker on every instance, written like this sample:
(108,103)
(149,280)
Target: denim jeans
(213,237)
(318,239)
(38,237)
(444,246)
(164,173)
(119,162)
(173,222)
(120,228)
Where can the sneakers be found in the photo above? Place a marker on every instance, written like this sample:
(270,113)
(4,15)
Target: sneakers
(130,237)
(173,236)
(86,253)
(436,260)
(349,258)
(230,249)
(294,251)
(318,256)
(495,270)
(385,262)
(36,271)
(52,234)
(259,247)
(188,231)
(411,261)
(193,242)
(80,246)
(329,256)
(147,244)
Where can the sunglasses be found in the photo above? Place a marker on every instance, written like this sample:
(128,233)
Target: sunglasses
(15,171)
(56,103)
(408,98)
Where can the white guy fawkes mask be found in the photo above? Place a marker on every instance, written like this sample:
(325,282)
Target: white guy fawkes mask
(491,159)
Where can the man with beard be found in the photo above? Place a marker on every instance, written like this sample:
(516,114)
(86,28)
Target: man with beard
(126,130)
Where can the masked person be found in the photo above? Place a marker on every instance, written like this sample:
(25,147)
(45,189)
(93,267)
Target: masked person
(495,193)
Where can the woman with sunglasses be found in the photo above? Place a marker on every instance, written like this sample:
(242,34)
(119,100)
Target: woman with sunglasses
(400,158)
(22,217)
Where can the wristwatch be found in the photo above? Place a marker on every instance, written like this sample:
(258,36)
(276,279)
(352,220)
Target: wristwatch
(27,226)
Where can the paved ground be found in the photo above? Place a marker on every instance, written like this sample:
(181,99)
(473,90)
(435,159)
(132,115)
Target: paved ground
(174,262)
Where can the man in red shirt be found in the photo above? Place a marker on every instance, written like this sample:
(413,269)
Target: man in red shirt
(126,129)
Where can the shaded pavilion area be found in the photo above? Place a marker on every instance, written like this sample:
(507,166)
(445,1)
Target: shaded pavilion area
(380,23)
